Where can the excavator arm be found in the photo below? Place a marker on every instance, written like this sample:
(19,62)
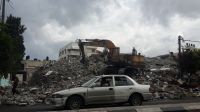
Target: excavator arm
(82,52)
(113,50)
(99,43)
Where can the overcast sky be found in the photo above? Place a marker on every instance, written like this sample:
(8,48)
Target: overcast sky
(151,26)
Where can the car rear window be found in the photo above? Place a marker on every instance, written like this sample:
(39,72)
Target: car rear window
(122,81)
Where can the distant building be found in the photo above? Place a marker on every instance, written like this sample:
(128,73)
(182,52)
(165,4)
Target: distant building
(29,67)
(189,47)
(72,50)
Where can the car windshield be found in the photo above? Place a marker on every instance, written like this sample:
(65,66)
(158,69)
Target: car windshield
(89,82)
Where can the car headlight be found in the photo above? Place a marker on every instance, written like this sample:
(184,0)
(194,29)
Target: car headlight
(57,96)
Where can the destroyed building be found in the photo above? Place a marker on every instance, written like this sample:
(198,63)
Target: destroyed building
(162,62)
(53,76)
(67,73)
(29,67)
(72,50)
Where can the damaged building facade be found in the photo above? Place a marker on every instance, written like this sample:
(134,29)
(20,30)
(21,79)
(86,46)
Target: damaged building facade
(29,67)
(72,50)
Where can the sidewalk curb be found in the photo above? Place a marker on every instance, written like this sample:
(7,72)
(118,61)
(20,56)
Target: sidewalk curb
(182,107)
(194,107)
(170,108)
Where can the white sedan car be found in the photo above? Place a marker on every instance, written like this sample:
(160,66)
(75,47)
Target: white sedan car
(103,89)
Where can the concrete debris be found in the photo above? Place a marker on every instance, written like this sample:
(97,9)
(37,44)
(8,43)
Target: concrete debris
(161,74)
(23,104)
(66,74)
(160,64)
(48,73)
(23,98)
(53,77)
(34,90)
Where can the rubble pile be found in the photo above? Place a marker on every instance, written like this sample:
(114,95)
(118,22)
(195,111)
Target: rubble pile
(167,86)
(24,97)
(161,74)
(157,63)
(65,74)
(53,77)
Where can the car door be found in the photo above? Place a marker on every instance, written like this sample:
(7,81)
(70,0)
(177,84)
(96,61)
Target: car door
(101,91)
(123,88)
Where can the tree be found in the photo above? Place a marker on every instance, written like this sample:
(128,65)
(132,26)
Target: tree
(5,50)
(190,62)
(12,49)
(15,30)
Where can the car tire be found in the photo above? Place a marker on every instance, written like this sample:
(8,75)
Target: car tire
(135,100)
(74,103)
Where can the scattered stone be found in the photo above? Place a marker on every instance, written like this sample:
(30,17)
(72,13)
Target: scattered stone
(161,74)
(22,104)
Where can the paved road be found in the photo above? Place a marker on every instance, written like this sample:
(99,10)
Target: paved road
(104,108)
(180,107)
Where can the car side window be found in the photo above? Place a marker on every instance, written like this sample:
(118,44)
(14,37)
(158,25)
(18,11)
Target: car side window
(122,81)
(104,82)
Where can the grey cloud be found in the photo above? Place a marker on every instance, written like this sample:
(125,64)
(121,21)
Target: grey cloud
(37,13)
(74,12)
(162,10)
(106,17)
(38,48)
(65,12)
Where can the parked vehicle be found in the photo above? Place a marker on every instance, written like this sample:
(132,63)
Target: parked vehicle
(103,89)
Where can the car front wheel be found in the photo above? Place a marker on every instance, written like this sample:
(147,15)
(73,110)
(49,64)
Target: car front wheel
(135,100)
(74,103)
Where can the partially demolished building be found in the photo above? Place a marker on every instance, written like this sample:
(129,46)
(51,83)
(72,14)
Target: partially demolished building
(72,50)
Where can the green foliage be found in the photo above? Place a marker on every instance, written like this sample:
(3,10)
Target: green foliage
(15,30)
(5,50)
(190,61)
(14,27)
(12,49)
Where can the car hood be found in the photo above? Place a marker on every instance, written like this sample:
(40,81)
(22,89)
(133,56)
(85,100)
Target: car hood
(72,91)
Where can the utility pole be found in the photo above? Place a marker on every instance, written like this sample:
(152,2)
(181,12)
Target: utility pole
(179,57)
(3,12)
(180,38)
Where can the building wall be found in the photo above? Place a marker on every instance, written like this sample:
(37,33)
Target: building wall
(89,50)
(72,50)
(30,66)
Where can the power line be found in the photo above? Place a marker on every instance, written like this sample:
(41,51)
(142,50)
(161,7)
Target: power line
(9,3)
(0,4)
(192,41)
(3,11)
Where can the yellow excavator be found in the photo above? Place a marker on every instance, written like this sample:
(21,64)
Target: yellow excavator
(117,62)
